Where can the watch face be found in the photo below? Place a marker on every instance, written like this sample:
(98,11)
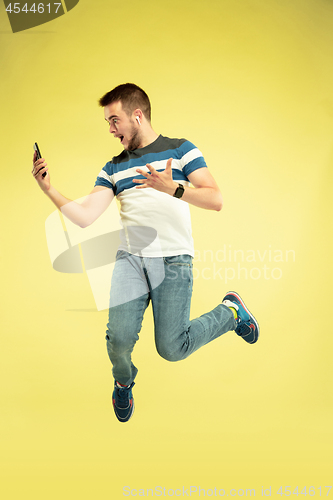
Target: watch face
(179,191)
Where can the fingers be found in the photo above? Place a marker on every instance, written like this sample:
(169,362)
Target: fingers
(140,181)
(39,167)
(168,165)
(155,179)
(36,163)
(42,171)
(145,173)
(142,172)
(152,170)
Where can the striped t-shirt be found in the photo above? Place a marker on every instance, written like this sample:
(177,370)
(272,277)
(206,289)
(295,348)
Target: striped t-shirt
(155,223)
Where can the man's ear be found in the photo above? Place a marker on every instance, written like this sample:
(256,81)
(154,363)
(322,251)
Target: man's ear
(138,115)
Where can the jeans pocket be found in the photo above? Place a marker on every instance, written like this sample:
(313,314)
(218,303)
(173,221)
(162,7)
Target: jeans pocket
(121,253)
(178,260)
(178,269)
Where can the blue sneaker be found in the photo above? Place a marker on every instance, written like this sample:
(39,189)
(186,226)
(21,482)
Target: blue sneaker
(247,326)
(123,402)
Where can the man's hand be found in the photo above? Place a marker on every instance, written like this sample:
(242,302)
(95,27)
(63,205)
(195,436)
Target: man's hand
(82,214)
(162,181)
(37,172)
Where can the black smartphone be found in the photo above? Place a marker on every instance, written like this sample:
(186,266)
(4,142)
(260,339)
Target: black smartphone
(36,148)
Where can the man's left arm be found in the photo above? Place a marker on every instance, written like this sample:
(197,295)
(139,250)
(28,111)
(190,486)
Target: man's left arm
(205,193)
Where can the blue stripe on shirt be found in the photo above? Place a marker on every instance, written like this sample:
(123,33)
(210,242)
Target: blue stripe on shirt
(136,162)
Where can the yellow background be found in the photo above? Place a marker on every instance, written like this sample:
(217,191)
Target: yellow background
(250,83)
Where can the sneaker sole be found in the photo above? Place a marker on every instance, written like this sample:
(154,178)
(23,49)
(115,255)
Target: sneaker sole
(249,313)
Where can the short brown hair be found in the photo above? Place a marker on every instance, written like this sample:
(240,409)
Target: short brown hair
(131,96)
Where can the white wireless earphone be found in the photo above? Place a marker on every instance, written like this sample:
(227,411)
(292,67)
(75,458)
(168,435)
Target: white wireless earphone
(138,119)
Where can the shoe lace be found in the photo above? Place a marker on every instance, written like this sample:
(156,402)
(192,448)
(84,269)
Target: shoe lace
(123,396)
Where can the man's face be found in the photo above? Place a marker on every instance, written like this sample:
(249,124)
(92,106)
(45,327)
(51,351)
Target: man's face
(122,126)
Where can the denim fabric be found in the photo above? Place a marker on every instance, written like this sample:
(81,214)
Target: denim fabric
(167,282)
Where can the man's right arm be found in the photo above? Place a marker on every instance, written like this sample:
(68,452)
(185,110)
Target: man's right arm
(82,214)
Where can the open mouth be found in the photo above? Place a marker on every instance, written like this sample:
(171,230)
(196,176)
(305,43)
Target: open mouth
(120,137)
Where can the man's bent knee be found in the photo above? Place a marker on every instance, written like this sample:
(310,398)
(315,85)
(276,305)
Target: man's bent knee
(169,356)
(167,351)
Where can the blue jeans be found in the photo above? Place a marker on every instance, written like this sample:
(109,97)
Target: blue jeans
(167,282)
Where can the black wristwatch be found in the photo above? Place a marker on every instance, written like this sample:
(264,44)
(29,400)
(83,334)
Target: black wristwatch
(179,191)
